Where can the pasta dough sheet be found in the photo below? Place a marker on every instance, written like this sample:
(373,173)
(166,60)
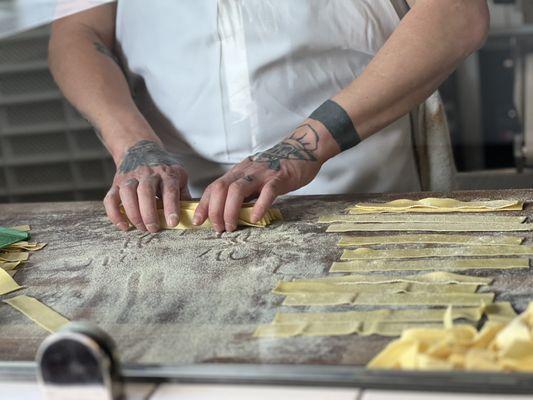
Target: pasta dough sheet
(393,299)
(42,315)
(436,252)
(432,204)
(439,277)
(420,218)
(430,227)
(350,241)
(429,265)
(7,283)
(382,328)
(284,288)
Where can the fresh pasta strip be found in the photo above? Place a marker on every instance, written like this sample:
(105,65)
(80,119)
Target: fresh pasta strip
(419,218)
(502,311)
(285,288)
(22,228)
(429,265)
(39,313)
(13,257)
(436,252)
(29,246)
(393,299)
(473,314)
(10,266)
(351,241)
(382,328)
(432,204)
(430,227)
(438,277)
(499,346)
(7,283)
(188,209)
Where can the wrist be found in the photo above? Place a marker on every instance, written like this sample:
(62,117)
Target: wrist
(328,147)
(120,137)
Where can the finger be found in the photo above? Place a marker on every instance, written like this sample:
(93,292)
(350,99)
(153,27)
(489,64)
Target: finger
(268,194)
(130,202)
(201,212)
(237,192)
(170,191)
(112,209)
(217,203)
(146,192)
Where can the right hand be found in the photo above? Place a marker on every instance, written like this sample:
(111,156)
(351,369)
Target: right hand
(147,171)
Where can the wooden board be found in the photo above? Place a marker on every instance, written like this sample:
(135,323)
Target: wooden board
(195,296)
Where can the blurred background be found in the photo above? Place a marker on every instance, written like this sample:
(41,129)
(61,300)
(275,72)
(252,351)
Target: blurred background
(48,152)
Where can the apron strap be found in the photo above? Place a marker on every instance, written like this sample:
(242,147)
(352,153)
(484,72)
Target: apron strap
(401,7)
(431,137)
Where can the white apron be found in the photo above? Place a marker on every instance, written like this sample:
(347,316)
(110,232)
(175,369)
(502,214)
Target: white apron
(220,80)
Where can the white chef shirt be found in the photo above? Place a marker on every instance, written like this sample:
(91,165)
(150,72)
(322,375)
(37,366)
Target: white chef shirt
(220,80)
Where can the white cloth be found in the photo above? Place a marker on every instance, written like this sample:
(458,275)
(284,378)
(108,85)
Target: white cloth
(222,80)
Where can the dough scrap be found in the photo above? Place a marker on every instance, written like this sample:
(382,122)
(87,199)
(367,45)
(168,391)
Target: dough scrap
(287,288)
(39,313)
(10,266)
(430,227)
(497,347)
(364,253)
(419,218)
(189,207)
(350,241)
(7,283)
(432,204)
(438,277)
(29,246)
(429,265)
(394,299)
(22,228)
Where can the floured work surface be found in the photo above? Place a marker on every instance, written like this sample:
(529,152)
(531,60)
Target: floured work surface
(193,296)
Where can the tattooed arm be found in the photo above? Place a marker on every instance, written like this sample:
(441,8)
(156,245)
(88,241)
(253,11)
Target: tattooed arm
(89,74)
(433,38)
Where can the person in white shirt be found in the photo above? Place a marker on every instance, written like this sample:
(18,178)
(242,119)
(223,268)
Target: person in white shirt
(239,99)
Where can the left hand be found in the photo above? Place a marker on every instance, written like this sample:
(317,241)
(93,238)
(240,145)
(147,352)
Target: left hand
(288,166)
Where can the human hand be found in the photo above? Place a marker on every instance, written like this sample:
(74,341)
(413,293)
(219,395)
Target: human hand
(288,166)
(147,171)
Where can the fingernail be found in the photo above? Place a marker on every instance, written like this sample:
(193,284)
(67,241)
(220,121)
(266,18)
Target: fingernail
(230,227)
(196,220)
(122,226)
(173,220)
(219,228)
(152,227)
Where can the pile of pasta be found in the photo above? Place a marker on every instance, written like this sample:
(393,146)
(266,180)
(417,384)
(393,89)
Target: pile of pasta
(499,346)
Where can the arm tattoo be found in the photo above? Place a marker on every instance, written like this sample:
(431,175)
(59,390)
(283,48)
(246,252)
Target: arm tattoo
(146,154)
(301,145)
(106,52)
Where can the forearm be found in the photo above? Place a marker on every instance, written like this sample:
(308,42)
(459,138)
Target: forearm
(434,37)
(94,83)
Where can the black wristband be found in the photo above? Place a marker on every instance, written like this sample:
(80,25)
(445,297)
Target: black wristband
(338,123)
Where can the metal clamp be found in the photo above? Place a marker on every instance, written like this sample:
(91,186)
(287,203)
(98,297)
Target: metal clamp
(79,362)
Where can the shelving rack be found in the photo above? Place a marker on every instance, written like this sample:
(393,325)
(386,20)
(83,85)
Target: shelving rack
(48,152)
